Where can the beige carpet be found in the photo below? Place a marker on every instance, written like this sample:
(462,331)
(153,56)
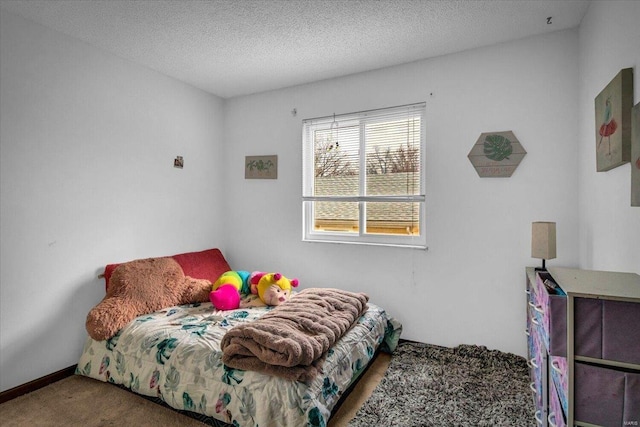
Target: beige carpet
(81,401)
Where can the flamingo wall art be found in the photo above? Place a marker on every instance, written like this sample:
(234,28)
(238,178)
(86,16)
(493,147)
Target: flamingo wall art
(613,122)
(635,156)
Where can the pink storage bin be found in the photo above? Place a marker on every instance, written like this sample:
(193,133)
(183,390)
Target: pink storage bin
(557,416)
(560,378)
(551,310)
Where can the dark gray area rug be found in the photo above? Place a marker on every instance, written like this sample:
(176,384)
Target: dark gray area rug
(428,385)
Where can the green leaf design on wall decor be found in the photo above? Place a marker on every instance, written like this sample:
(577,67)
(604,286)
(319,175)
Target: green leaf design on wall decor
(260,165)
(497,147)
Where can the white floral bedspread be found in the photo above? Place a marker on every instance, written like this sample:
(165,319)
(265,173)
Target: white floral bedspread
(174,354)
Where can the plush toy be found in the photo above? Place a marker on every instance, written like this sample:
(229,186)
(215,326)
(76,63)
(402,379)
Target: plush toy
(226,297)
(227,290)
(272,288)
(141,287)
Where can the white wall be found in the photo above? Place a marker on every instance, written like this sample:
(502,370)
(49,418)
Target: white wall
(87,142)
(87,145)
(609,226)
(468,287)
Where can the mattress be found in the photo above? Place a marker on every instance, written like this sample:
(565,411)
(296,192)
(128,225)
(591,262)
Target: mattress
(174,355)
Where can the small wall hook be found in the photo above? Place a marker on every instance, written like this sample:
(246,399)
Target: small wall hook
(549,20)
(294,112)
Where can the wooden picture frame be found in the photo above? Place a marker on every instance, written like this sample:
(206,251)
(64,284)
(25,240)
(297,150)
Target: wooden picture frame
(635,155)
(613,122)
(261,167)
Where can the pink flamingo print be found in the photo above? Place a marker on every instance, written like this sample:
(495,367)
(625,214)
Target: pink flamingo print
(609,124)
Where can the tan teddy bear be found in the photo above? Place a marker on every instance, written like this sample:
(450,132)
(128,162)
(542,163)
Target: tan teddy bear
(141,287)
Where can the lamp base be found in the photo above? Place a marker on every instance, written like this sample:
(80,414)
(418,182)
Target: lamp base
(543,268)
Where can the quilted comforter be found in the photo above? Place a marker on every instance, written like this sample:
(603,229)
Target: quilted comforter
(175,355)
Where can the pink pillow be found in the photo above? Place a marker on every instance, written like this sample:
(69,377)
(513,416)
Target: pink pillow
(208,264)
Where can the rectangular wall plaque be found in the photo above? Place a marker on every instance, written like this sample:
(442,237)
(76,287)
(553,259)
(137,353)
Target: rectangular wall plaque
(261,167)
(613,122)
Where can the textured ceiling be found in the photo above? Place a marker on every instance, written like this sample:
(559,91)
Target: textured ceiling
(232,48)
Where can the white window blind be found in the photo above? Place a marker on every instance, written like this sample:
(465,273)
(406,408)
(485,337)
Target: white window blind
(363,178)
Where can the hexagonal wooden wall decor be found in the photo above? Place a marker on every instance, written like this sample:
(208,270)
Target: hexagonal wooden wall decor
(496,154)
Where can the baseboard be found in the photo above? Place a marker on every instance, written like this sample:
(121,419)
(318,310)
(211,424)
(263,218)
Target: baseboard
(36,384)
(409,341)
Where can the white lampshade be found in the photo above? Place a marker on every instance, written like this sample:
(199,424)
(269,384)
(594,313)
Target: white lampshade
(543,240)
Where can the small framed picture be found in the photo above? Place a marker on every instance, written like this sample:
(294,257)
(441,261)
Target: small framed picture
(261,167)
(178,162)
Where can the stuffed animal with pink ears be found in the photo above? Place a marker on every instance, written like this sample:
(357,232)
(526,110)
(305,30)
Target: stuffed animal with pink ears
(272,288)
(227,291)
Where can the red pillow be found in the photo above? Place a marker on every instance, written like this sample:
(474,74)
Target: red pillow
(208,264)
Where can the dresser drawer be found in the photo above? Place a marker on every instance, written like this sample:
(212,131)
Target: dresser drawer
(538,370)
(557,416)
(606,329)
(632,400)
(560,378)
(606,396)
(588,327)
(550,311)
(621,331)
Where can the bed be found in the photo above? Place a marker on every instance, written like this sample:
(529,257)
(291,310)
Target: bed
(175,355)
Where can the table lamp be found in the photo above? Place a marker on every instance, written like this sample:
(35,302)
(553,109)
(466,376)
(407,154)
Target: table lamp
(543,241)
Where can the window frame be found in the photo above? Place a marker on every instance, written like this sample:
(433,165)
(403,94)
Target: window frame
(418,241)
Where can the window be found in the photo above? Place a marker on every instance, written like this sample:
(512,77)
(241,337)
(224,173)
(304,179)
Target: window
(363,177)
